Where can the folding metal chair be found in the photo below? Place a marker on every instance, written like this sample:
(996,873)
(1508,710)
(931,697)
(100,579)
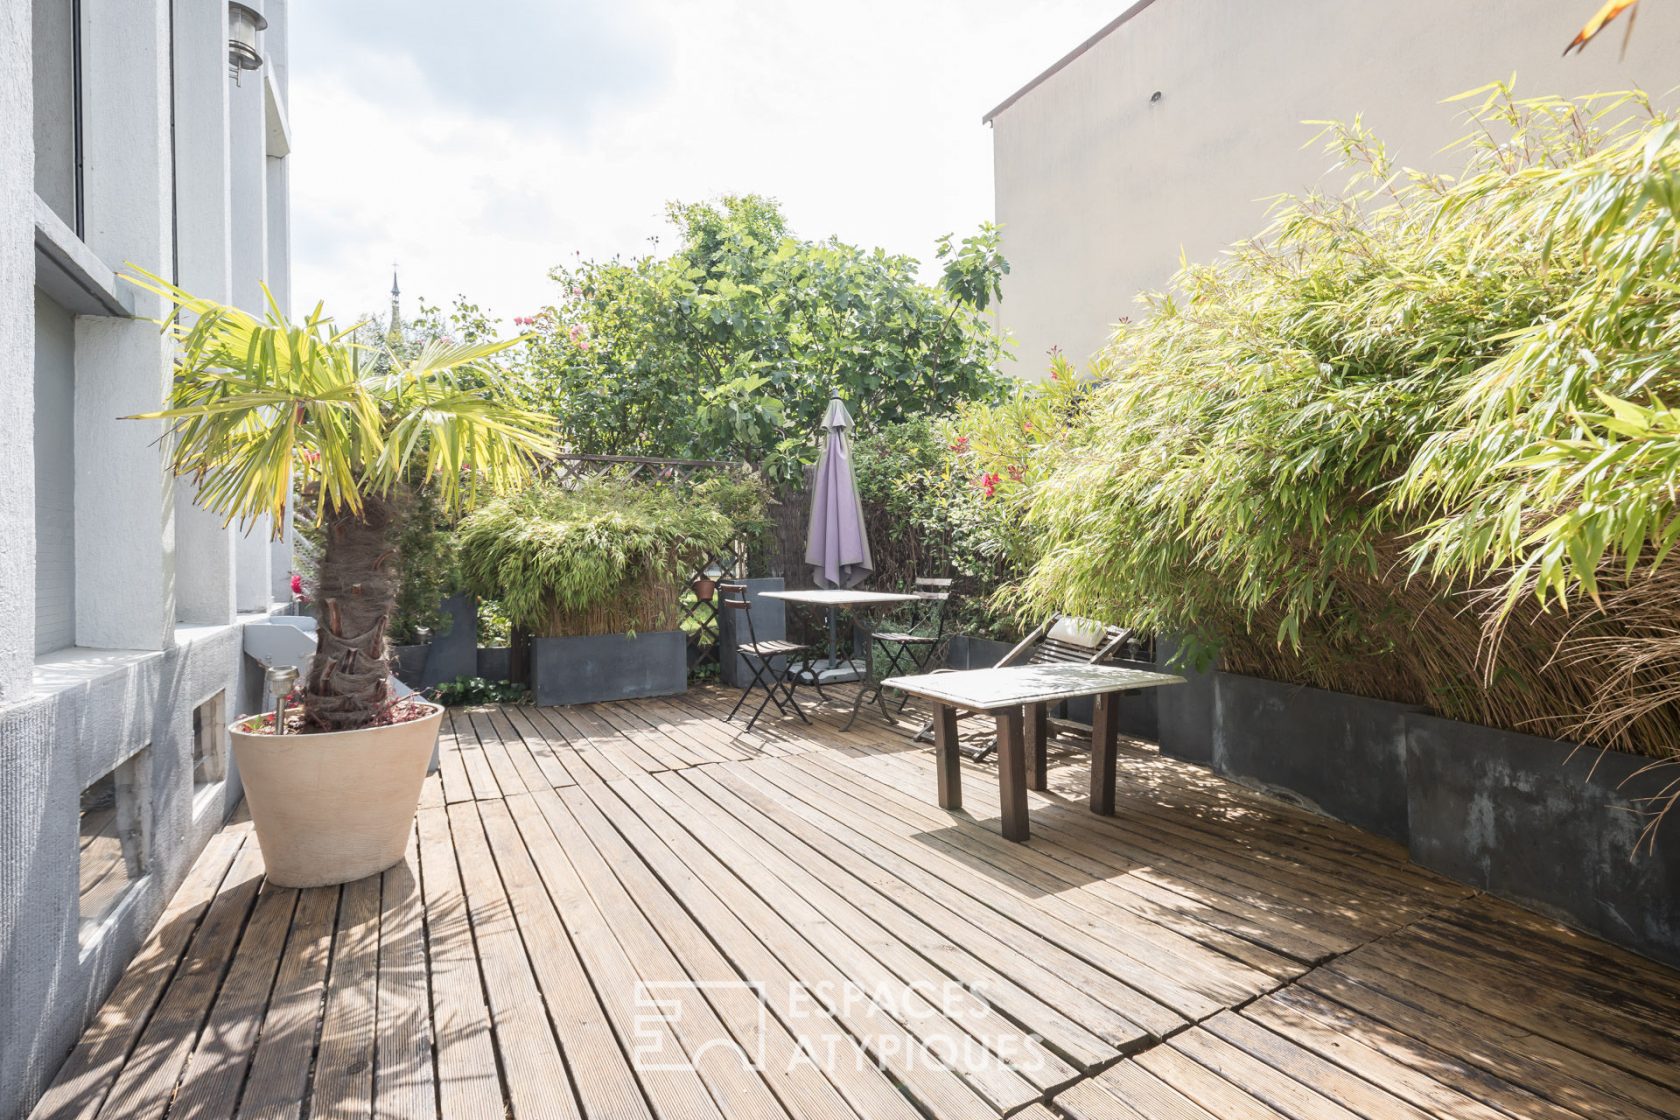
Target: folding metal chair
(761,657)
(910,649)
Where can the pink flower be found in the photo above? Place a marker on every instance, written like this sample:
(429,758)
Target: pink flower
(1026,425)
(988,484)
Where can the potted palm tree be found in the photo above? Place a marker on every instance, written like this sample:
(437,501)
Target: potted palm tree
(256,404)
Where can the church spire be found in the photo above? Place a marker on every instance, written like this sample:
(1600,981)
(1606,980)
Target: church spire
(393,334)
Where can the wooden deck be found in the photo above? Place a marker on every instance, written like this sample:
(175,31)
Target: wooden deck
(605,908)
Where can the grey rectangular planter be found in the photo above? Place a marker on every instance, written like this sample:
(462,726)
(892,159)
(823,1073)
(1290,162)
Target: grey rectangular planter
(965,652)
(1542,824)
(495,662)
(1184,713)
(1344,754)
(609,667)
(454,652)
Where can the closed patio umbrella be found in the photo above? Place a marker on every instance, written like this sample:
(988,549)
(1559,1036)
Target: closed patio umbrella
(836,546)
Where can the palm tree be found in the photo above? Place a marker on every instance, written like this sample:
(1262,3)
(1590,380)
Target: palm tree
(256,404)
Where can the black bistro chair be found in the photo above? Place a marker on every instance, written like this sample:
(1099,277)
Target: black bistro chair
(761,658)
(909,649)
(916,646)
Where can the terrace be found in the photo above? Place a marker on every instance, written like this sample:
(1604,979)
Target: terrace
(604,907)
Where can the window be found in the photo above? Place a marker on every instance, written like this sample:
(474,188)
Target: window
(112,848)
(55,476)
(210,741)
(56,39)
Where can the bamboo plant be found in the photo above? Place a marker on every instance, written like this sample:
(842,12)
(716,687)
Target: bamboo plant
(258,405)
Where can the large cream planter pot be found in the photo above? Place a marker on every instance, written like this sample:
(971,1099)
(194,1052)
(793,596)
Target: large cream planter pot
(334,806)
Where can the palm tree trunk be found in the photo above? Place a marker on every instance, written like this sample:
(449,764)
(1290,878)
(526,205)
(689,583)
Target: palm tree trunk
(350,682)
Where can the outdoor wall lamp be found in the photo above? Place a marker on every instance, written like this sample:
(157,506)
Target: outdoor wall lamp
(244,22)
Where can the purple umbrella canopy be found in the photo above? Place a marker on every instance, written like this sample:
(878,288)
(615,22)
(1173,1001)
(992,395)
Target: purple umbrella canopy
(837,548)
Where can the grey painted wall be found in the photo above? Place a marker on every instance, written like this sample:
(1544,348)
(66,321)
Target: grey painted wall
(53,747)
(55,476)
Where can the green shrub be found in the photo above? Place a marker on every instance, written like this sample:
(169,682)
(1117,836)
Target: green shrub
(602,557)
(1345,452)
(471,691)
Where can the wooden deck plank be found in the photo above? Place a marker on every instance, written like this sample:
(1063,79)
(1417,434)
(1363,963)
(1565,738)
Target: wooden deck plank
(85,1079)
(481,778)
(798,1084)
(151,1074)
(508,778)
(858,1079)
(599,762)
(538,765)
(875,961)
(946,945)
(405,1052)
(469,1085)
(215,1079)
(343,1082)
(279,1077)
(1057,975)
(807,986)
(1207,953)
(673,1090)
(548,747)
(537,1081)
(1167,967)
(606,1085)
(1245,968)
(1537,1064)
(723,1056)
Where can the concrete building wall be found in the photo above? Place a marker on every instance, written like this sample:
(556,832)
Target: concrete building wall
(118,616)
(1168,133)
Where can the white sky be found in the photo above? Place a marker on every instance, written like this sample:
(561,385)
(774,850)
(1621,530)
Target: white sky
(478,143)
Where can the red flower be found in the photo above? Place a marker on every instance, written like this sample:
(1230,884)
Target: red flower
(988,484)
(960,444)
(1016,474)
(297,585)
(1026,425)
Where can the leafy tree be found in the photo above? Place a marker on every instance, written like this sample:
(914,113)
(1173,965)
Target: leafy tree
(730,346)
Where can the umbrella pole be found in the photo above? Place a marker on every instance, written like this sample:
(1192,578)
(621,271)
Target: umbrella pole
(833,632)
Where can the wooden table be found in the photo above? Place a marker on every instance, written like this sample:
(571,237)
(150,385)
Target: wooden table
(1019,696)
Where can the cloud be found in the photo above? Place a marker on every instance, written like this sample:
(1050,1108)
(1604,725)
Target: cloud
(862,119)
(557,62)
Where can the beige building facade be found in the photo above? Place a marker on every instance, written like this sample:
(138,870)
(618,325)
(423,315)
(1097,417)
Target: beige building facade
(1167,131)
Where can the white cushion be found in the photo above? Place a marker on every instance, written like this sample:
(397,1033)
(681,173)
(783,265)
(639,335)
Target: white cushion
(1078,631)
